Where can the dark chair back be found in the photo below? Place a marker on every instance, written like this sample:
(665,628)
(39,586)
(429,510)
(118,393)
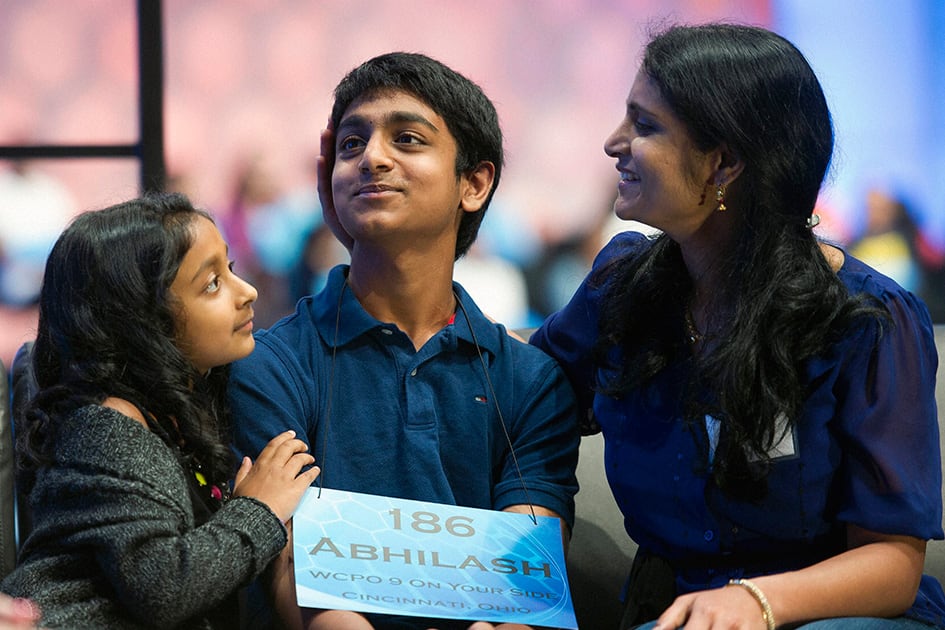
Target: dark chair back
(7,483)
(22,388)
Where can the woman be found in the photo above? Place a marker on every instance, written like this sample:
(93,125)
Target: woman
(767,401)
(125,452)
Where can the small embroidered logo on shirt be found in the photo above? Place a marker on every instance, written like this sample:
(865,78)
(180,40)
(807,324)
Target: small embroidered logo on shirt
(481,399)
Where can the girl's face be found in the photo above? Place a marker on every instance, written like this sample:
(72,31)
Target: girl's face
(665,180)
(215,321)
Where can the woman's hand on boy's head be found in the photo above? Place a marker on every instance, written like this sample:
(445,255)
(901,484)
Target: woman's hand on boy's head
(276,478)
(323,166)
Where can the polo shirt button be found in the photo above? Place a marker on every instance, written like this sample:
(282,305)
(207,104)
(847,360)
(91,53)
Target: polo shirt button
(708,535)
(387,331)
(413,372)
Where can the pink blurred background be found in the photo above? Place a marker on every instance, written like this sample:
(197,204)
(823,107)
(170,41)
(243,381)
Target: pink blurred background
(248,86)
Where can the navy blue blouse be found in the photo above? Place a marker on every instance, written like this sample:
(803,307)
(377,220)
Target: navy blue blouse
(865,451)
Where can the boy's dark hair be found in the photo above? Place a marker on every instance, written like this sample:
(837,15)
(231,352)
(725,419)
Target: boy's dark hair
(468,112)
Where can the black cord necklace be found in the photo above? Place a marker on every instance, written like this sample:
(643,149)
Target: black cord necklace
(498,410)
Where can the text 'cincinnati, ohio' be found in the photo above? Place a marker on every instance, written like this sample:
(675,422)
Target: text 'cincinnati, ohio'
(421,557)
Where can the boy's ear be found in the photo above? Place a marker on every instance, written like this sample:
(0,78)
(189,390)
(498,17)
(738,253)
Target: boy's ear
(476,185)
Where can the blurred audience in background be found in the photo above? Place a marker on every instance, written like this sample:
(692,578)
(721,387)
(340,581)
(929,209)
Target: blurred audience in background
(889,240)
(563,261)
(248,85)
(893,244)
(268,228)
(933,286)
(517,272)
(320,253)
(34,208)
(496,284)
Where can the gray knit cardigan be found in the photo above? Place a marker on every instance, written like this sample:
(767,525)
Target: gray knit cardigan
(114,543)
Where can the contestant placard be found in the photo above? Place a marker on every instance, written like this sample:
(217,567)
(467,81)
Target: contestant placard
(377,554)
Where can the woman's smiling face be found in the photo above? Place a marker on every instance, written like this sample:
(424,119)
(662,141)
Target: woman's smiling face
(666,181)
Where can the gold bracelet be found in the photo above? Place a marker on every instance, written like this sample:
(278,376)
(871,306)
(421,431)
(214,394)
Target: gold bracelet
(760,598)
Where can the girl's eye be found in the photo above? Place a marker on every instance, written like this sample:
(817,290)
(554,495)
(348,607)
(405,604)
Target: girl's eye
(214,285)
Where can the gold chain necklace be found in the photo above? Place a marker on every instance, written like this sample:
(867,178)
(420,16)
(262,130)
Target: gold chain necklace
(691,330)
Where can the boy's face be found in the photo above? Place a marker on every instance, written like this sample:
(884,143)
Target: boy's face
(395,173)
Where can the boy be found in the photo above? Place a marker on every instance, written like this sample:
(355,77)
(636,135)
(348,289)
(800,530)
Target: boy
(400,385)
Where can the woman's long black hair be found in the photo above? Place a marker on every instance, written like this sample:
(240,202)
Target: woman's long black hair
(107,327)
(781,303)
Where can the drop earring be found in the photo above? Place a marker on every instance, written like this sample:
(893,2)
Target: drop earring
(720,197)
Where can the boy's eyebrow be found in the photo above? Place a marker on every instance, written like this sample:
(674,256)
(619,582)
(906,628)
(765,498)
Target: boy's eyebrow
(394,117)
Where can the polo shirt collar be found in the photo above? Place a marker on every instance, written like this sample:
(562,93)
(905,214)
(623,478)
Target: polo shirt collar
(352,320)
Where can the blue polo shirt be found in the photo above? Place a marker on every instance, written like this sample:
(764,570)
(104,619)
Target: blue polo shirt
(864,451)
(382,418)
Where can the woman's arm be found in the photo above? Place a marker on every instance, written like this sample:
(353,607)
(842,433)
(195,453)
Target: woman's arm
(878,576)
(886,379)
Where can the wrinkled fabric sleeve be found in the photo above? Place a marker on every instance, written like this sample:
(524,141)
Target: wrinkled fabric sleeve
(125,498)
(267,397)
(569,335)
(164,577)
(891,474)
(546,440)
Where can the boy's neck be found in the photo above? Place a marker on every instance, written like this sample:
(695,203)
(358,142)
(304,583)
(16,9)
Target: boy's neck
(412,292)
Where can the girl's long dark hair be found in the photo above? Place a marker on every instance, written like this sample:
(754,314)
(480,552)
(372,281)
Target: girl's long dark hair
(780,303)
(107,327)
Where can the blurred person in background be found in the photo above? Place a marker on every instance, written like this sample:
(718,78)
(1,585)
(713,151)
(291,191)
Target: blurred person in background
(321,253)
(34,208)
(890,239)
(268,228)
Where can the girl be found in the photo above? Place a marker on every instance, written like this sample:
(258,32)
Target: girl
(125,452)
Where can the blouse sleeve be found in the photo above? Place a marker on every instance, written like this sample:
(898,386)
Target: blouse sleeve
(570,334)
(891,471)
(545,437)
